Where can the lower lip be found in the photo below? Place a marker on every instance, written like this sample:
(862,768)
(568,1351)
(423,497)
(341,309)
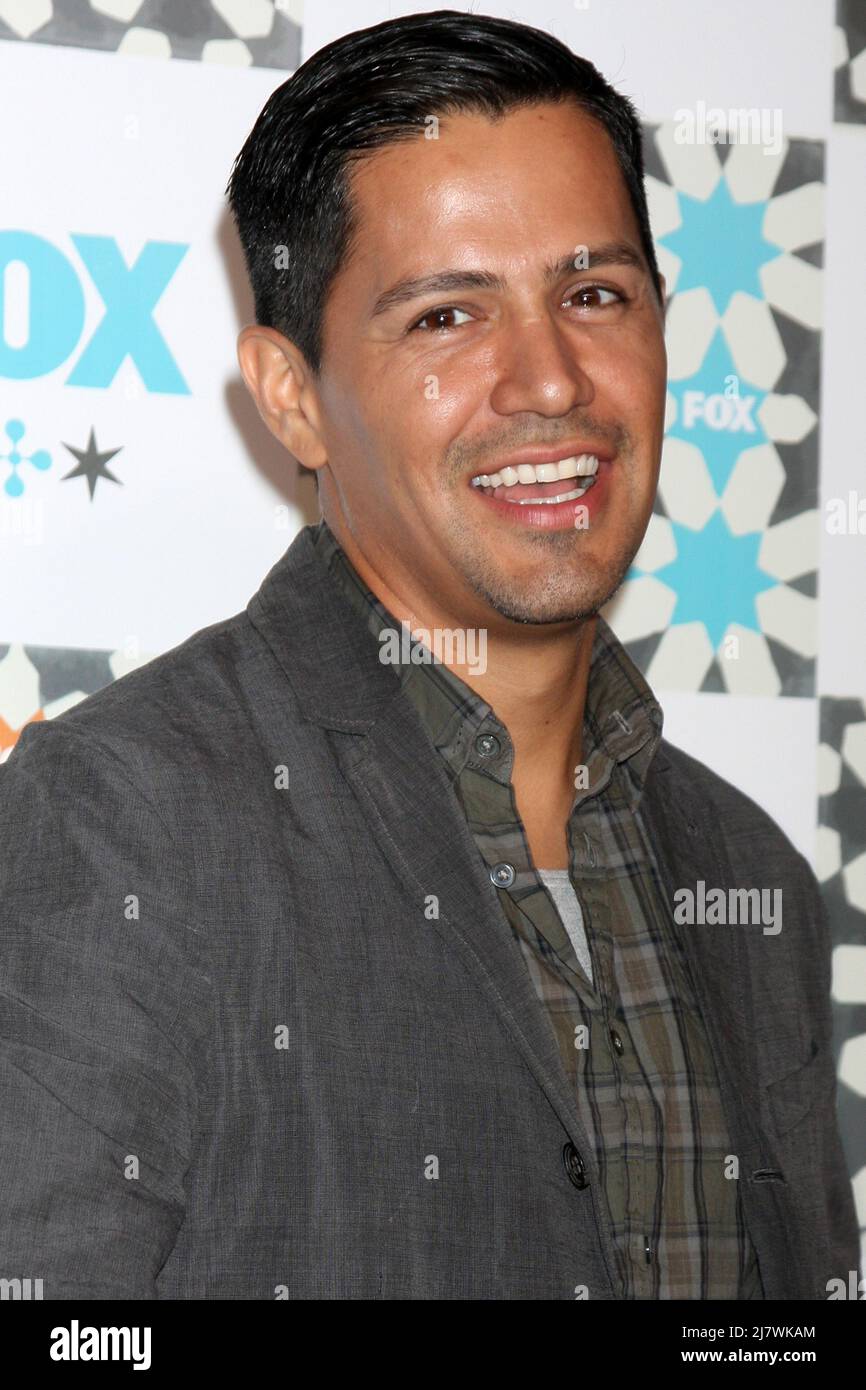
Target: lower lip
(578,514)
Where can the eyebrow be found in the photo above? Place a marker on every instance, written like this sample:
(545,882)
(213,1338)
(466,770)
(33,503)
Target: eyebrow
(448,281)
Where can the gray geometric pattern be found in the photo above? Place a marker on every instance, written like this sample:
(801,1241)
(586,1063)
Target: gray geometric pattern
(849,95)
(261,32)
(842,867)
(62,670)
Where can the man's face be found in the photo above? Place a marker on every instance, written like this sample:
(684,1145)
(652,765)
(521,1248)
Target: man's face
(439,386)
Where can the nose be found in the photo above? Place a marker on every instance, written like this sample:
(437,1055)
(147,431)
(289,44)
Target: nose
(539,369)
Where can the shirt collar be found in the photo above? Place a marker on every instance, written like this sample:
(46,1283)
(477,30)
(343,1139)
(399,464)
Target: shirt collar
(622,719)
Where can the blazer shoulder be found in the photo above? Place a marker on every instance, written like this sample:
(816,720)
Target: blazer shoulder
(749,831)
(182,706)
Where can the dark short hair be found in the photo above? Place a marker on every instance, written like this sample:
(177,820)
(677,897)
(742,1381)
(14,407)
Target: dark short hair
(289,185)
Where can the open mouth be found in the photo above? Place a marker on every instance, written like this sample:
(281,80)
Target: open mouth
(540,483)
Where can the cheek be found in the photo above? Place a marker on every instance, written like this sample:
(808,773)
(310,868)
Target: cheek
(652,365)
(633,370)
(427,403)
(443,397)
(362,427)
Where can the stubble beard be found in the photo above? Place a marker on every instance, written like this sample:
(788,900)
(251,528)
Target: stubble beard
(567,591)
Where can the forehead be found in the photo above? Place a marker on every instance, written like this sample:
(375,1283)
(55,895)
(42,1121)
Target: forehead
(530,178)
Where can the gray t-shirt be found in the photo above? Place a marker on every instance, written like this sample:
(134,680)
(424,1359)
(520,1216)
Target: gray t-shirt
(559,884)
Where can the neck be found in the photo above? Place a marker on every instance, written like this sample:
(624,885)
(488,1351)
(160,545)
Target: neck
(537,689)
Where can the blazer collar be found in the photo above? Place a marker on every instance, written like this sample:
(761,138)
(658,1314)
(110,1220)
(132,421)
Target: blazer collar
(327,656)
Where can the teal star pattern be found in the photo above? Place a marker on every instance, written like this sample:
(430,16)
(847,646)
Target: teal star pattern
(721,245)
(720,446)
(715,576)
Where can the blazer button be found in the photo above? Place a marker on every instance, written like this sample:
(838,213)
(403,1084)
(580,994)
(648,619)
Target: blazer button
(574,1166)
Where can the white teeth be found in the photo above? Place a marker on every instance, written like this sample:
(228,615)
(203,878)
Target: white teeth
(578,466)
(550,501)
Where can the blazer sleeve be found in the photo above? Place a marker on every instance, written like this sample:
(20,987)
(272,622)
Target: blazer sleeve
(105,1007)
(831,1167)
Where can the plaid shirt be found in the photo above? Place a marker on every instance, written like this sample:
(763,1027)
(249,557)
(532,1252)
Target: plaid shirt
(646,1089)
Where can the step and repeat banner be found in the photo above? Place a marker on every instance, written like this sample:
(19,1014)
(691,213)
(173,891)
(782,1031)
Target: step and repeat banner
(141,497)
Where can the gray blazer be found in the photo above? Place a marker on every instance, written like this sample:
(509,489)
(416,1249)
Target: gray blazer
(242,1057)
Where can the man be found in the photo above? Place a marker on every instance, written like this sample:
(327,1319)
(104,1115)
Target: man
(331,970)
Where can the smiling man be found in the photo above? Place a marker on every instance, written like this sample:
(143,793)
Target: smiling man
(404,1009)
(488,463)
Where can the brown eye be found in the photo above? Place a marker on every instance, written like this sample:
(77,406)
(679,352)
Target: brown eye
(443,310)
(594,293)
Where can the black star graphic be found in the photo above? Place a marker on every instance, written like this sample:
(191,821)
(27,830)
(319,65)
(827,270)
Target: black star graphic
(91,464)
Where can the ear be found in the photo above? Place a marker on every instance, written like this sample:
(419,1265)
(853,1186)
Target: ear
(280,382)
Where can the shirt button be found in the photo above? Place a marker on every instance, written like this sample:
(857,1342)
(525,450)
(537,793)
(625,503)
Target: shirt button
(487,745)
(574,1166)
(502,875)
(616,1040)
